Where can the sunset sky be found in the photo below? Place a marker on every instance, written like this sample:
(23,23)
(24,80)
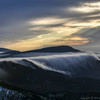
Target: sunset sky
(32,24)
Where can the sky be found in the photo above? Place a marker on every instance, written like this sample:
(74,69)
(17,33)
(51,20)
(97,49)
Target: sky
(33,24)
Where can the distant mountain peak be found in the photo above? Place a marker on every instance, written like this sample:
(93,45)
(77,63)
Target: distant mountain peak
(4,49)
(56,49)
(7,52)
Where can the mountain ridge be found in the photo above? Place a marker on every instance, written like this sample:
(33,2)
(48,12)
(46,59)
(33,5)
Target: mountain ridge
(55,49)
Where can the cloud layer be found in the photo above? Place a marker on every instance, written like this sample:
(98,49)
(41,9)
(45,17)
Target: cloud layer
(26,25)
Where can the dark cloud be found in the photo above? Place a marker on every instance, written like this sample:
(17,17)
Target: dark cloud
(55,25)
(16,10)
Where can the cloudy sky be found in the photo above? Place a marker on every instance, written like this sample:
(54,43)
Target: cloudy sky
(32,24)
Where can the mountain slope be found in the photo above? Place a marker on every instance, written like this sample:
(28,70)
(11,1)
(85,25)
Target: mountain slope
(55,49)
(7,52)
(76,72)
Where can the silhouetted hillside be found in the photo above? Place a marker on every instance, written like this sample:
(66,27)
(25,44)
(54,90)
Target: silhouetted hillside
(7,52)
(56,49)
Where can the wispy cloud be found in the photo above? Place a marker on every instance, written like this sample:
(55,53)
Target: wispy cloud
(34,24)
(47,21)
(87,7)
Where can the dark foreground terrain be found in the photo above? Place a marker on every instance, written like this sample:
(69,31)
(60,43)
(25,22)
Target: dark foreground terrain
(6,94)
(66,74)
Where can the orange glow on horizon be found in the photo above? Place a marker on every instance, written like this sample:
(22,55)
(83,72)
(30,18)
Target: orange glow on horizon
(31,45)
